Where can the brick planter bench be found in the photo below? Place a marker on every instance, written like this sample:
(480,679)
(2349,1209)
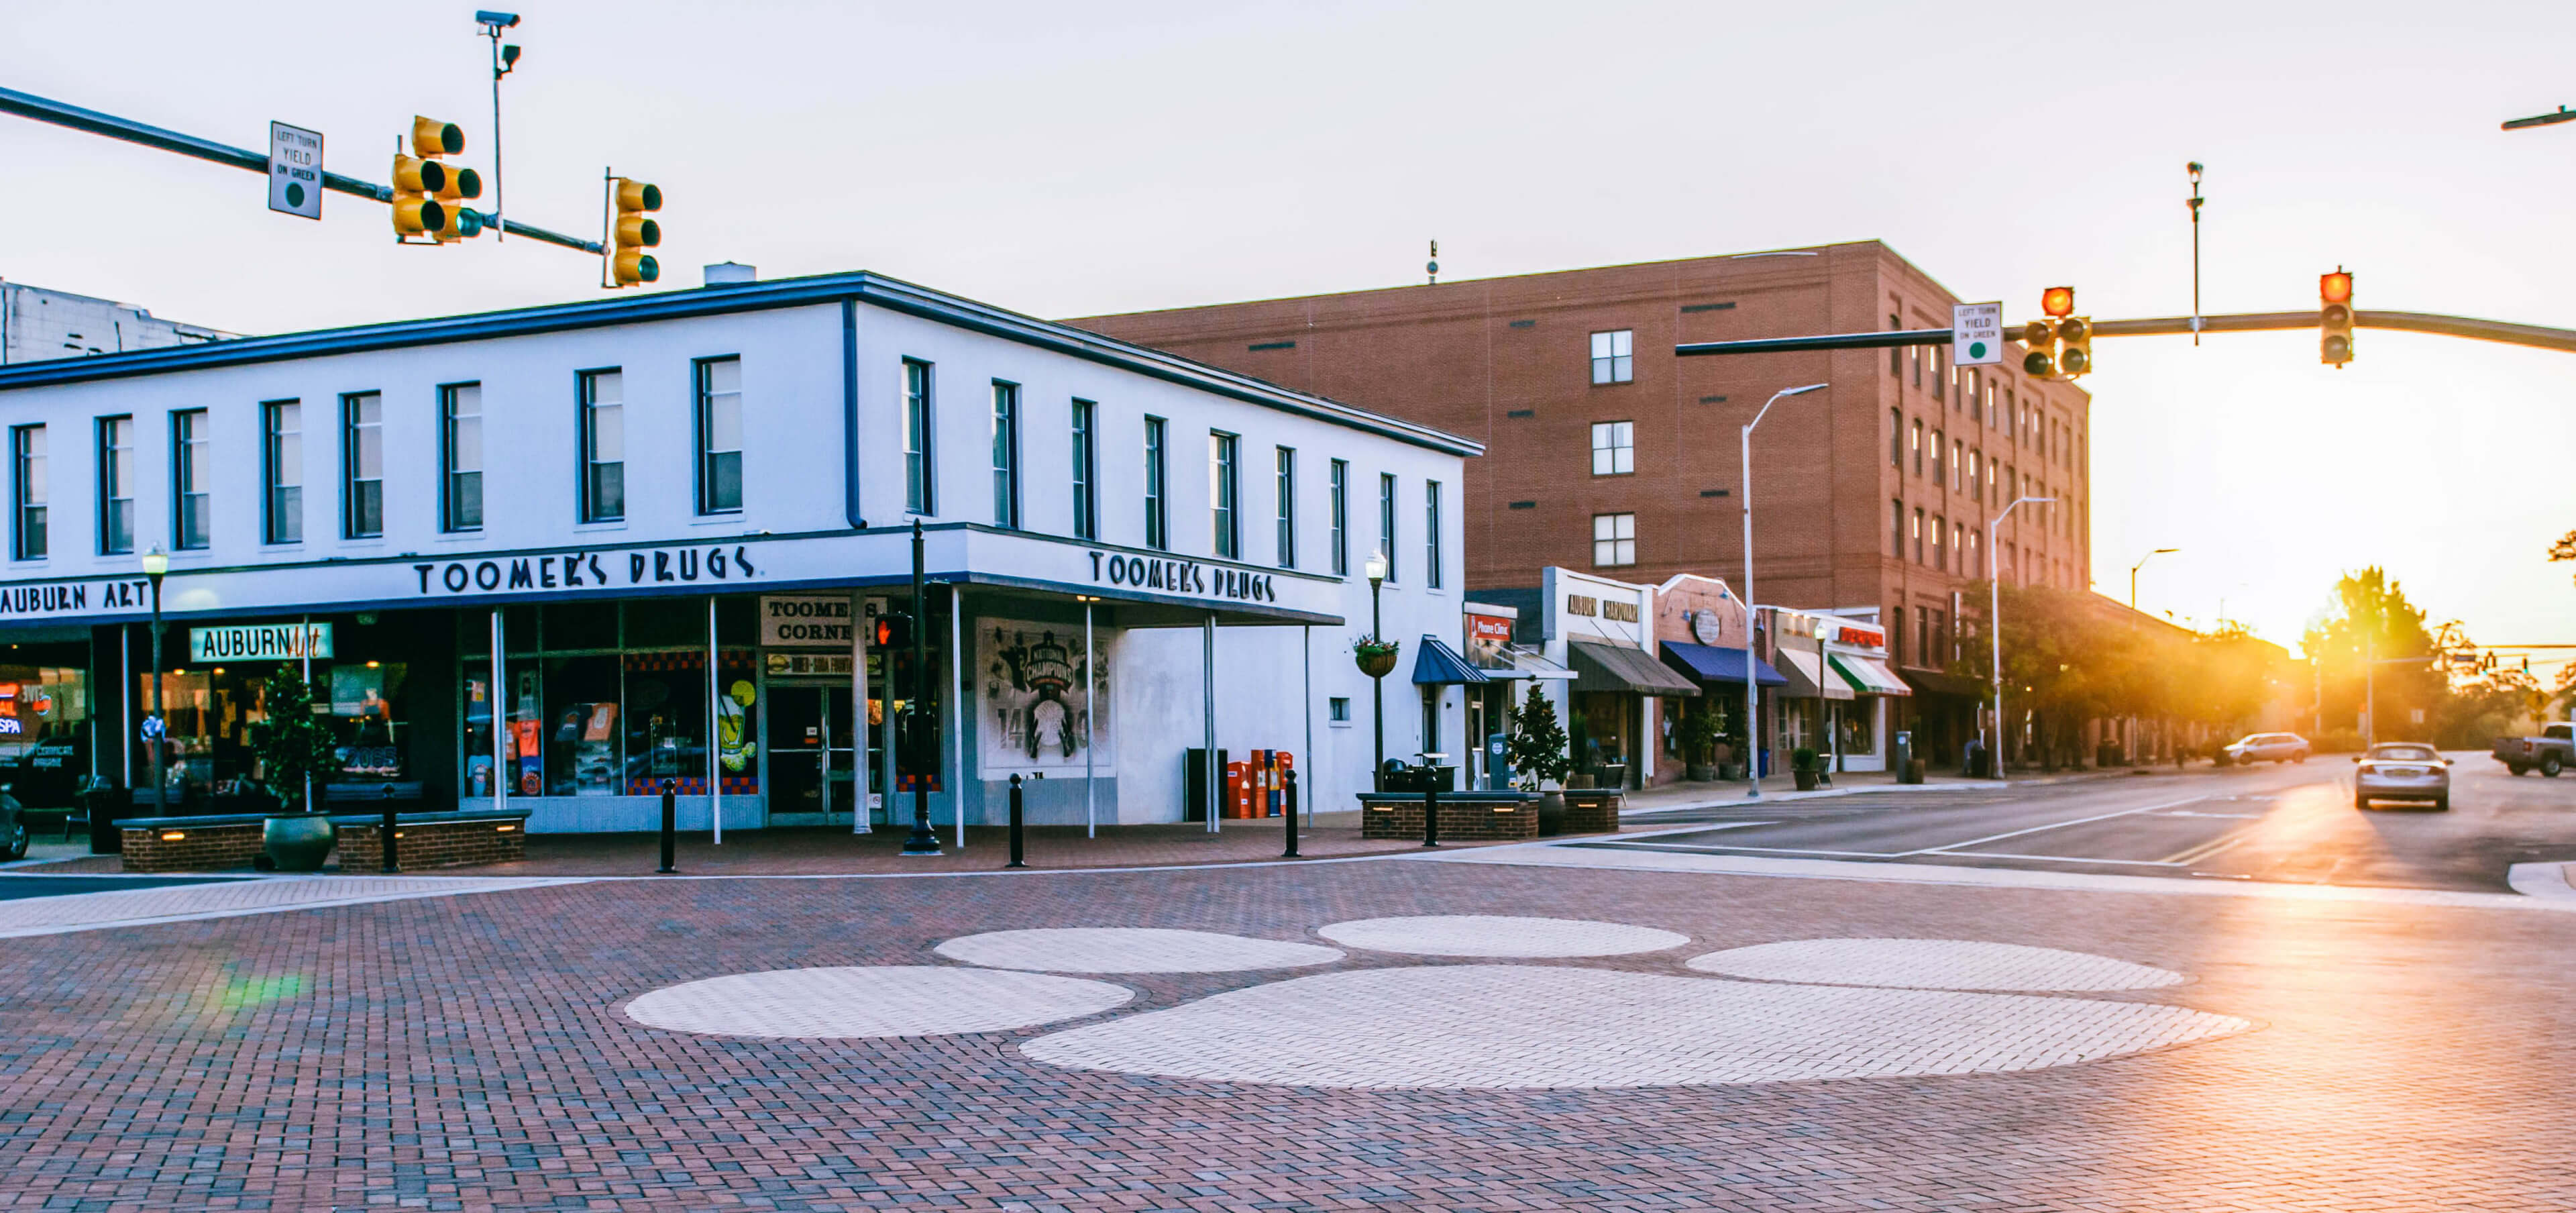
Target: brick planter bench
(432,840)
(1464,816)
(193,844)
(427,840)
(1590,812)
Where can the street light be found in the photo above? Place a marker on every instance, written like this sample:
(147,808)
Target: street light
(1377,682)
(1995,627)
(2133,569)
(1744,456)
(156,565)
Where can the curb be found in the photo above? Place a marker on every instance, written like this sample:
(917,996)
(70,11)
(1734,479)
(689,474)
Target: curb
(2549,880)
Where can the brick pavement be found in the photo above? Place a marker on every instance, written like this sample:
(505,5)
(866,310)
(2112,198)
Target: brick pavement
(469,1053)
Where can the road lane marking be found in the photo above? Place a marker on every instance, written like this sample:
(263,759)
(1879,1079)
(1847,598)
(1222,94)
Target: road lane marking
(2224,842)
(2145,863)
(1737,850)
(1955,846)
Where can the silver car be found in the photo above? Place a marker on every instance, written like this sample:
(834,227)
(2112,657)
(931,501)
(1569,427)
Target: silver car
(2402,771)
(2266,747)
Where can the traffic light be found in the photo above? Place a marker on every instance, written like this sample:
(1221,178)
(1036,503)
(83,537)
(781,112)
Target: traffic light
(2039,337)
(894,630)
(2074,346)
(631,233)
(2057,302)
(2334,317)
(416,212)
(429,195)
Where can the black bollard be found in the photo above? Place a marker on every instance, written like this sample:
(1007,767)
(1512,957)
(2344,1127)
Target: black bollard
(670,826)
(1016,849)
(1430,808)
(385,830)
(1289,779)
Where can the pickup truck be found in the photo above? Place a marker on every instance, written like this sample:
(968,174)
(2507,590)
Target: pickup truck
(2551,752)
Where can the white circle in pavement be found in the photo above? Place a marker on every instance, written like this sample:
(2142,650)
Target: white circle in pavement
(1131,950)
(1932,964)
(1498,935)
(1505,1026)
(893,1000)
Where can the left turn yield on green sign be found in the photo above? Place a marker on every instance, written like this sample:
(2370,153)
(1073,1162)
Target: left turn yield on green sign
(294,170)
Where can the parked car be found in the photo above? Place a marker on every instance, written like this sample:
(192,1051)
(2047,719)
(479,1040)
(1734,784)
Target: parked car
(2551,752)
(13,828)
(2402,770)
(2264,747)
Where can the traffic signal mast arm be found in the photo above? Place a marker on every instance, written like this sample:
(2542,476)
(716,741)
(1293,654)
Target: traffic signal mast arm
(2246,322)
(28,105)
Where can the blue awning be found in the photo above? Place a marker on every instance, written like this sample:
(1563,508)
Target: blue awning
(1710,663)
(1436,664)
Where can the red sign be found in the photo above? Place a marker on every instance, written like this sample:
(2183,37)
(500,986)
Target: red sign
(1489,627)
(1862,637)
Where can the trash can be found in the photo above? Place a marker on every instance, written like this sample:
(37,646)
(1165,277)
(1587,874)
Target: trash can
(1498,762)
(1908,770)
(104,806)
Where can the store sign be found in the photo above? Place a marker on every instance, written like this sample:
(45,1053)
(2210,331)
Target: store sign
(1182,577)
(1492,628)
(260,642)
(72,597)
(1860,637)
(588,570)
(805,621)
(1619,609)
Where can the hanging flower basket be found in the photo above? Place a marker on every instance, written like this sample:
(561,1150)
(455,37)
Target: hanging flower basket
(1376,657)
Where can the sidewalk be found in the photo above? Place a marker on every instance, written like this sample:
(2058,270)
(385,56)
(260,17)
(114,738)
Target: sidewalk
(1674,797)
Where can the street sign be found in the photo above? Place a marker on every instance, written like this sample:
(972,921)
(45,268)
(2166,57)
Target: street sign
(1976,334)
(294,170)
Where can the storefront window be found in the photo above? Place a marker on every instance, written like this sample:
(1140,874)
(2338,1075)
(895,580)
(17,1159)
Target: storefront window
(44,730)
(1859,727)
(367,718)
(581,695)
(611,700)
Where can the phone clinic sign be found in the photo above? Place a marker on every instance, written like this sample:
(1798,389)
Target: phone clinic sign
(260,642)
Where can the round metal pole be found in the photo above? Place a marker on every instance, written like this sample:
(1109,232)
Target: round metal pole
(924,841)
(1995,634)
(160,781)
(1377,698)
(1744,504)
(1091,728)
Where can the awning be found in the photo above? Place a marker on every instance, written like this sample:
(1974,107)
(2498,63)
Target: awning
(1711,663)
(1520,661)
(1607,667)
(1868,675)
(1936,682)
(1436,664)
(1805,670)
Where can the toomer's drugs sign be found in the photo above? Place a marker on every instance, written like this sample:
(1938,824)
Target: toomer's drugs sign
(260,642)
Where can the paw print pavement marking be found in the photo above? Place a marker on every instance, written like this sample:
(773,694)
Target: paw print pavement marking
(1131,950)
(1931,964)
(1860,1008)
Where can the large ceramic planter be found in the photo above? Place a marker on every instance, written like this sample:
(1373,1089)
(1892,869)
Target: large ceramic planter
(1551,813)
(1806,780)
(1701,772)
(299,842)
(1377,664)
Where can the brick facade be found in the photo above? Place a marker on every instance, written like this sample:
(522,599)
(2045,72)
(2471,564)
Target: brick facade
(1507,361)
(194,848)
(1460,820)
(422,845)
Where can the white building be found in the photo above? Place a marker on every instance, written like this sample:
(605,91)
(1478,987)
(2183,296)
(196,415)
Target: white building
(601,485)
(37,324)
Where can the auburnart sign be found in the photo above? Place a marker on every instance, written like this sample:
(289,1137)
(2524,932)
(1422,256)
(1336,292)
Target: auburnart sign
(260,642)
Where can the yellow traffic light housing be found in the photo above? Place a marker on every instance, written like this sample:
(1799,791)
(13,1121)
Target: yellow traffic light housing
(630,232)
(433,138)
(427,193)
(2334,317)
(2058,302)
(2039,338)
(2074,346)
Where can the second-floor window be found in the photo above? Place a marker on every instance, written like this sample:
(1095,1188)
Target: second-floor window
(1341,507)
(1386,521)
(1940,555)
(720,436)
(1614,356)
(362,458)
(1936,458)
(1006,454)
(916,437)
(1614,448)
(189,526)
(1158,511)
(460,449)
(1086,470)
(1896,438)
(603,446)
(281,471)
(1225,493)
(115,485)
(1917,446)
(1285,488)
(1431,534)
(28,539)
(1614,540)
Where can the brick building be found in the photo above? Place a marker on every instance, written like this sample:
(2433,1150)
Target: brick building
(1604,451)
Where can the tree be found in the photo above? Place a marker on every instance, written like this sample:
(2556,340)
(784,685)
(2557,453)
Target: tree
(1540,749)
(292,744)
(2367,623)
(2564,549)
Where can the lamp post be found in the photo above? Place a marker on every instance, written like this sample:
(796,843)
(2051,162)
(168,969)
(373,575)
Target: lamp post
(1752,727)
(2133,569)
(1995,629)
(922,841)
(1377,682)
(156,565)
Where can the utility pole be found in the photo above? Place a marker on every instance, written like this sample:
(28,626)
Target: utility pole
(2194,167)
(505,59)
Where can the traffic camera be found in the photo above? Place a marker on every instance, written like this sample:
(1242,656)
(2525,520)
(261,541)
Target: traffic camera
(2334,317)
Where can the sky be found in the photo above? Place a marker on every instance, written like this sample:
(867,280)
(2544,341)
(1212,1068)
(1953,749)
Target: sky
(1070,160)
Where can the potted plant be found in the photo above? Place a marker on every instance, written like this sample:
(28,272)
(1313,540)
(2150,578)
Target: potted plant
(1542,755)
(293,746)
(1376,656)
(1805,767)
(1699,743)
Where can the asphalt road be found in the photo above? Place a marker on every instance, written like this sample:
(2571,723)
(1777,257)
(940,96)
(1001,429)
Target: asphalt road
(2293,824)
(14,887)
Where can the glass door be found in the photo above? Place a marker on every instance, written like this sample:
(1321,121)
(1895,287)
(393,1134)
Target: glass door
(812,767)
